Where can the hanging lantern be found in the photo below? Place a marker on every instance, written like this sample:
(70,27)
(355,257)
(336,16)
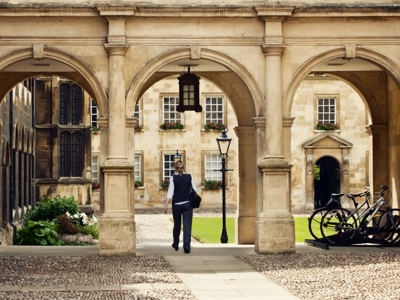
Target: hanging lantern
(189,92)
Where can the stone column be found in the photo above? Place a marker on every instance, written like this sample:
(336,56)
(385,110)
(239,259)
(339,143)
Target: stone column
(274,224)
(380,156)
(117,222)
(247,185)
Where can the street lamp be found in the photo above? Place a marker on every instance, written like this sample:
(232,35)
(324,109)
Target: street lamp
(177,156)
(223,145)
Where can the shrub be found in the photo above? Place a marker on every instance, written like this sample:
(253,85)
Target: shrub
(212,184)
(170,126)
(39,233)
(214,126)
(138,183)
(49,209)
(165,183)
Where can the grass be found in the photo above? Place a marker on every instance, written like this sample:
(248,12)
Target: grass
(208,230)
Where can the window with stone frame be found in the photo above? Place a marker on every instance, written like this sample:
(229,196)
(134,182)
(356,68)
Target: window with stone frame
(95,168)
(326,110)
(93,113)
(212,163)
(137,164)
(71,103)
(214,109)
(71,153)
(71,134)
(170,114)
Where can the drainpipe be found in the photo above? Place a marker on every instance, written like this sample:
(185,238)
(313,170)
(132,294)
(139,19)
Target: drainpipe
(33,165)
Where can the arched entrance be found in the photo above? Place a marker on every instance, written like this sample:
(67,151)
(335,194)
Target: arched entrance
(326,180)
(34,100)
(239,87)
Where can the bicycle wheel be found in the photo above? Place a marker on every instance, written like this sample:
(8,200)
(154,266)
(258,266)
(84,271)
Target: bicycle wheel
(338,225)
(314,222)
(389,226)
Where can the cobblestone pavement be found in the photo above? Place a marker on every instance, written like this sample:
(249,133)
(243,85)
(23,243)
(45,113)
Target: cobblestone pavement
(126,277)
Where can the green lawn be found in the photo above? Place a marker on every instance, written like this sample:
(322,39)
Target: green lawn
(208,230)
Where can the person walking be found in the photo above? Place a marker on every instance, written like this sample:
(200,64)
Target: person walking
(178,191)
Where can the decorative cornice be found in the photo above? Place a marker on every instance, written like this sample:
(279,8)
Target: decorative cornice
(271,50)
(117,49)
(117,11)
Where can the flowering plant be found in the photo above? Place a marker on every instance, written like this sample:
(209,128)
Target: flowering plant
(327,126)
(214,126)
(165,183)
(95,129)
(95,185)
(138,128)
(138,183)
(212,184)
(169,126)
(82,219)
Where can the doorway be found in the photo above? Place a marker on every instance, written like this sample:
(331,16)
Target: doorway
(326,180)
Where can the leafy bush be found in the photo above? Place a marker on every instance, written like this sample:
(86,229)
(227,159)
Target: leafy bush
(49,209)
(39,233)
(212,184)
(214,126)
(92,230)
(169,126)
(78,223)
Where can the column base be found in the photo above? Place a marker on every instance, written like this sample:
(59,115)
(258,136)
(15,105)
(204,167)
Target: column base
(245,230)
(275,233)
(117,234)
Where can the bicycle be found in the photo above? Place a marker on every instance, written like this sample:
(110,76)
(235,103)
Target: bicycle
(314,220)
(339,225)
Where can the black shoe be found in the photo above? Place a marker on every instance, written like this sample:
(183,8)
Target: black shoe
(175,247)
(187,250)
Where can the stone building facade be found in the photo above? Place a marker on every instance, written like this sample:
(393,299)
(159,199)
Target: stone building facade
(17,189)
(257,53)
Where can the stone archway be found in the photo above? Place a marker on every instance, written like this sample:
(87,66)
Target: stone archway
(380,90)
(241,89)
(83,76)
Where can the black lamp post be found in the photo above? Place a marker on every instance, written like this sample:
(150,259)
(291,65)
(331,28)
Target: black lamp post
(177,156)
(223,145)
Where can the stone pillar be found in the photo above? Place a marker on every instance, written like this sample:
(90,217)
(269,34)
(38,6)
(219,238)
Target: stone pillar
(247,185)
(380,156)
(274,223)
(117,222)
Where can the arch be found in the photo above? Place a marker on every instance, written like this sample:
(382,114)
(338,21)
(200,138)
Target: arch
(86,77)
(238,74)
(371,56)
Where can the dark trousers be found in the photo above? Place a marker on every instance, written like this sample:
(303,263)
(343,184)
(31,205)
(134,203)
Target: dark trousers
(186,211)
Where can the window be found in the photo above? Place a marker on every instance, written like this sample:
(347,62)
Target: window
(212,163)
(71,154)
(136,114)
(214,109)
(168,166)
(95,168)
(71,99)
(137,164)
(169,110)
(93,114)
(326,110)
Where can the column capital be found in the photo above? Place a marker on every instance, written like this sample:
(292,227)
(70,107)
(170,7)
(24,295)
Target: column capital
(243,130)
(288,121)
(259,122)
(116,49)
(102,122)
(273,50)
(376,129)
